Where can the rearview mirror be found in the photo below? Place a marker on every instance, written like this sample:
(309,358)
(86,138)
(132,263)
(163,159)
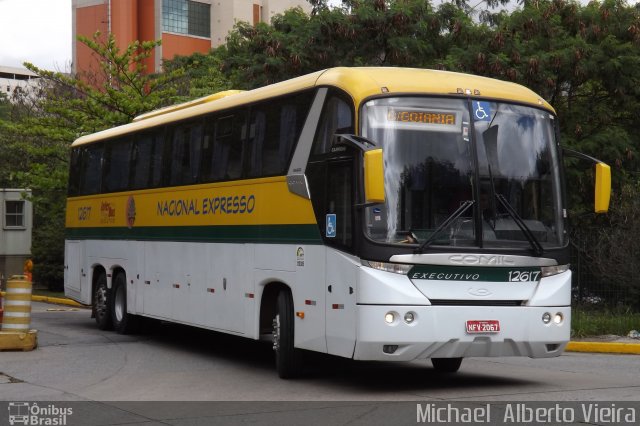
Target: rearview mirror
(602,188)
(374,176)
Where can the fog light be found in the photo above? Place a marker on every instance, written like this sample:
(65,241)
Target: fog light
(558,318)
(389,317)
(409,317)
(546,318)
(389,349)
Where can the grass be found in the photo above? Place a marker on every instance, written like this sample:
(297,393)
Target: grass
(48,293)
(590,322)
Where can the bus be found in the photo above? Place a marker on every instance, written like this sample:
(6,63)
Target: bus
(370,213)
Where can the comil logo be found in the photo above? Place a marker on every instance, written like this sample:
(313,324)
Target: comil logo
(32,414)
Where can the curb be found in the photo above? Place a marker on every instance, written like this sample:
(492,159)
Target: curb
(604,347)
(55,300)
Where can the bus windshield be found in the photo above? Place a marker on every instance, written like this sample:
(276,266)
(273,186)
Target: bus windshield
(441,154)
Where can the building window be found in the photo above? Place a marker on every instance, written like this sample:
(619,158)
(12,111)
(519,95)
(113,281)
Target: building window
(186,17)
(14,214)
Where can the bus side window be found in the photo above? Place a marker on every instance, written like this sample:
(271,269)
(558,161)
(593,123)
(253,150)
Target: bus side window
(273,131)
(91,173)
(230,132)
(141,161)
(187,140)
(116,165)
(221,147)
(206,166)
(337,117)
(75,167)
(236,150)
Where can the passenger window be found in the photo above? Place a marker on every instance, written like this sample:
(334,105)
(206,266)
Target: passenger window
(273,131)
(337,117)
(116,165)
(186,145)
(141,160)
(158,155)
(92,169)
(207,167)
(226,155)
(75,168)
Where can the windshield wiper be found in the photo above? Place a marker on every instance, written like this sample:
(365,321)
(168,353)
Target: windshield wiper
(463,208)
(537,248)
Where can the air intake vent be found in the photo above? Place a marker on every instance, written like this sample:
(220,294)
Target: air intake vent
(443,302)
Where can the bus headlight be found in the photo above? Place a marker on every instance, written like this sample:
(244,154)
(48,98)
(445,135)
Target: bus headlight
(397,268)
(389,318)
(558,318)
(548,271)
(546,318)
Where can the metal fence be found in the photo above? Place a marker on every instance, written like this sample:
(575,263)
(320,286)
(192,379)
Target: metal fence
(601,307)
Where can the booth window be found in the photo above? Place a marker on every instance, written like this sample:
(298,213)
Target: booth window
(14,214)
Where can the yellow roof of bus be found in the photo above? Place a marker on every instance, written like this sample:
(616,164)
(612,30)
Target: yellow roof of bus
(360,83)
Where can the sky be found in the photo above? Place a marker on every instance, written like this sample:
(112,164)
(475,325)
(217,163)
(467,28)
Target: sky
(36,31)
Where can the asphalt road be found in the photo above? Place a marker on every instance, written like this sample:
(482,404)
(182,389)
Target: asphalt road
(77,362)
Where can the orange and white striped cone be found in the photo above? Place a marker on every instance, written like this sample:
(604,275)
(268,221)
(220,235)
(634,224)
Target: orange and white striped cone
(17,305)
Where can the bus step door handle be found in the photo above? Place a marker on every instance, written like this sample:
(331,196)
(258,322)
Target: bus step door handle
(350,290)
(329,289)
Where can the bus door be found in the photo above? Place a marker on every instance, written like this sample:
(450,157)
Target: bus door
(341,267)
(73,269)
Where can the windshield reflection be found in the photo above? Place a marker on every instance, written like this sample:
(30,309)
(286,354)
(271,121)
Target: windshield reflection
(430,172)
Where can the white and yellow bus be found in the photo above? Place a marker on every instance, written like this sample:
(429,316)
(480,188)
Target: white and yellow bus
(370,213)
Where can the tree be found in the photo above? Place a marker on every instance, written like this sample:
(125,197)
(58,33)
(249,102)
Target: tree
(381,33)
(43,124)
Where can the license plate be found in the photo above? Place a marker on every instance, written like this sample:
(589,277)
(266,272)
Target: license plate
(483,326)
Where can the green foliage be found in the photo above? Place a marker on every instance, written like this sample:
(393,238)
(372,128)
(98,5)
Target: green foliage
(369,33)
(589,322)
(201,76)
(36,134)
(612,253)
(5,106)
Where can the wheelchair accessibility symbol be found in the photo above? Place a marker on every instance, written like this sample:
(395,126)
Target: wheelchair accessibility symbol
(482,110)
(331,226)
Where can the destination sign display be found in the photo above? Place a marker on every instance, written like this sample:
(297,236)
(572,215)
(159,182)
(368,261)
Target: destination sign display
(421,117)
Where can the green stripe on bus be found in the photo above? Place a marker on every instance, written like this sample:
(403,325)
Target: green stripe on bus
(474,273)
(300,234)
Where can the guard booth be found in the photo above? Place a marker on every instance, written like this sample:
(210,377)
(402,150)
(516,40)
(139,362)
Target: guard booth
(16,223)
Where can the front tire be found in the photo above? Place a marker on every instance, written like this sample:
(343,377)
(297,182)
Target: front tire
(287,356)
(123,322)
(102,303)
(446,365)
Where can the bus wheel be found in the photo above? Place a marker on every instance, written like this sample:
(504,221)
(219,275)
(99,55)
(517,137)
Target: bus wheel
(123,322)
(102,303)
(287,357)
(446,365)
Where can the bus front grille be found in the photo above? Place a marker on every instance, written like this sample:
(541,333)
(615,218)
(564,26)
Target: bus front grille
(446,302)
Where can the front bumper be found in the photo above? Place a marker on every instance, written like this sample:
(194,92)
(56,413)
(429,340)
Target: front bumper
(440,332)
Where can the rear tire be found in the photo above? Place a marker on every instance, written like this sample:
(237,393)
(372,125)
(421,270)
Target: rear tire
(287,356)
(446,365)
(123,322)
(102,303)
